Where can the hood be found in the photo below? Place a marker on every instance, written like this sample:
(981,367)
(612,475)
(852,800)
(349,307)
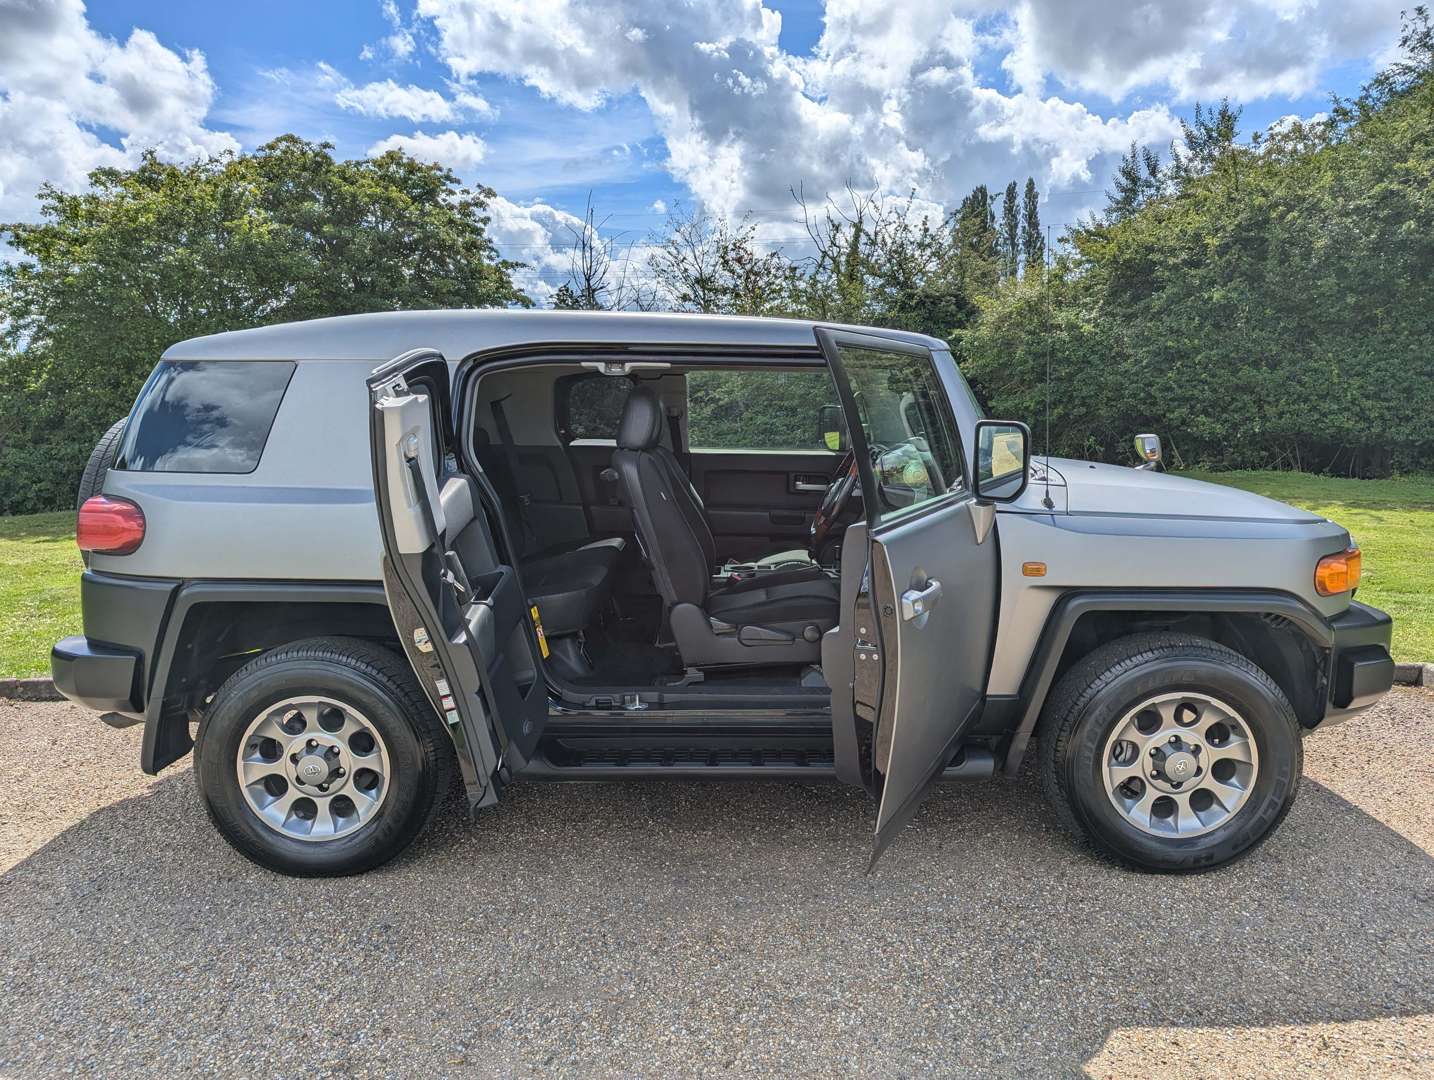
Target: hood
(1095,488)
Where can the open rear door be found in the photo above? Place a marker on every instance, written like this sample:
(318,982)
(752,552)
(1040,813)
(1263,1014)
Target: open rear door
(919,579)
(458,607)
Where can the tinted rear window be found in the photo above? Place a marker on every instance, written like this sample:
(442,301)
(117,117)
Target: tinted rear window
(593,405)
(204,417)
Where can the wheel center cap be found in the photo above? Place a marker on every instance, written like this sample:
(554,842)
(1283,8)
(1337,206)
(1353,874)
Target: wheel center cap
(1179,766)
(312,770)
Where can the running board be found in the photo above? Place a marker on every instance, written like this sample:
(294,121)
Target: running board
(745,758)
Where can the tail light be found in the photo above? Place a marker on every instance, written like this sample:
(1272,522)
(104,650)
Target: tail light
(1338,573)
(109,526)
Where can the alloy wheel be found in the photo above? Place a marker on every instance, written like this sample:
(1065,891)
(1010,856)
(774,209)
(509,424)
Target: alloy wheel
(313,768)
(1179,765)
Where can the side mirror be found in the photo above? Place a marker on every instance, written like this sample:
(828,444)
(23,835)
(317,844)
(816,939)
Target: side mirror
(1147,448)
(831,427)
(1003,459)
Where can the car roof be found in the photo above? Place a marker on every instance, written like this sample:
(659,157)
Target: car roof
(380,336)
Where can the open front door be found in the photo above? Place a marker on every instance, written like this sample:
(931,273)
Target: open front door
(457,606)
(919,591)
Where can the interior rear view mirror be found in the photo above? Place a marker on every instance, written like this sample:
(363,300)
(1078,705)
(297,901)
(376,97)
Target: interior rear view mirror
(831,427)
(1003,459)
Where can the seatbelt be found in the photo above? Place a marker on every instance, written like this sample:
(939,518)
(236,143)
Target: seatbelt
(453,574)
(518,499)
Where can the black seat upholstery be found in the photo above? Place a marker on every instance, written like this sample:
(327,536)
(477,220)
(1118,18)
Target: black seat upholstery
(768,619)
(571,585)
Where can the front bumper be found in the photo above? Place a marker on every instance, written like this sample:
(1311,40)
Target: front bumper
(1361,668)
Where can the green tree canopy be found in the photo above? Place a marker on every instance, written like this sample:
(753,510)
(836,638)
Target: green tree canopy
(111,276)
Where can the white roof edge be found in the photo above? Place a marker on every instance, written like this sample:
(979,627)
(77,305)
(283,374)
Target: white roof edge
(380,336)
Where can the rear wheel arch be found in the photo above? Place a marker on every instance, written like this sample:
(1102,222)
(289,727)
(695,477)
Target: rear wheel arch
(213,629)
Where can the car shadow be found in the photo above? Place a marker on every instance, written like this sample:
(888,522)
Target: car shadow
(670,927)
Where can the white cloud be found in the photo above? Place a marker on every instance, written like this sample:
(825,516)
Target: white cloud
(388,99)
(658,206)
(60,80)
(459,151)
(890,98)
(540,236)
(1247,49)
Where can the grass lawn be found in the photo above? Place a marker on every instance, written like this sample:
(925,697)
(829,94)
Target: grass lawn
(1392,520)
(39,590)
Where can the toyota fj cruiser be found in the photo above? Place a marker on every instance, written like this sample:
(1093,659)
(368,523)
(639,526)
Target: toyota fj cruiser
(355,553)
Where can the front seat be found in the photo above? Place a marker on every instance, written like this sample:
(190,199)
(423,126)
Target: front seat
(773,618)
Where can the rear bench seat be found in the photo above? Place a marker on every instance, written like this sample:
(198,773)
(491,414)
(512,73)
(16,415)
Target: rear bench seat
(569,584)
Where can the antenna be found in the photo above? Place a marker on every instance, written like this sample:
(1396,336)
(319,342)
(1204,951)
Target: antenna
(1045,285)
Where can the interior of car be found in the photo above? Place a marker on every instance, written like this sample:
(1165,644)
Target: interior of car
(662,515)
(680,523)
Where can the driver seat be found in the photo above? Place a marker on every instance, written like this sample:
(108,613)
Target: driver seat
(772,618)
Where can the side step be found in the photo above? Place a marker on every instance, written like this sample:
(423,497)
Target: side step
(971,763)
(599,757)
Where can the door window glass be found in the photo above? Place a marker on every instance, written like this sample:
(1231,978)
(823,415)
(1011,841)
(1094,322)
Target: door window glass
(908,425)
(757,410)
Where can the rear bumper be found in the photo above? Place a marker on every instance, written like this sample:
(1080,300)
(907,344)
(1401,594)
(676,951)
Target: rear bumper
(97,676)
(109,666)
(1361,668)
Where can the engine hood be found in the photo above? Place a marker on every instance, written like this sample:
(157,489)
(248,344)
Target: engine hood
(1095,488)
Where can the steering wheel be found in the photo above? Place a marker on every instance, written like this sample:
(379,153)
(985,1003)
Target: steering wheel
(834,502)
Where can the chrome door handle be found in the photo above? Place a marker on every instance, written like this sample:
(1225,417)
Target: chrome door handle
(917,602)
(807,485)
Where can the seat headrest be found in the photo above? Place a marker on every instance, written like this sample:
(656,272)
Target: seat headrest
(641,425)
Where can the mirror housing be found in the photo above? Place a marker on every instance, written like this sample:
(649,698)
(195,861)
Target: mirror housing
(1003,460)
(831,428)
(1148,449)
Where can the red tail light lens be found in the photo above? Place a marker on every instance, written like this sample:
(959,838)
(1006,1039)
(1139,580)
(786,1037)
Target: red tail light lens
(109,526)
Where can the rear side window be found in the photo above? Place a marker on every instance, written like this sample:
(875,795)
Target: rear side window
(590,406)
(204,417)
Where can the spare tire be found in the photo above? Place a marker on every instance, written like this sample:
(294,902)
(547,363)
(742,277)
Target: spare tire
(92,480)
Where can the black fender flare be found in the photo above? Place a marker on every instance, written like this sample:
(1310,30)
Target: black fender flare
(166,734)
(1067,611)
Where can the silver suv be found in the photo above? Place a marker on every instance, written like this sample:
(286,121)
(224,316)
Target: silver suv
(339,558)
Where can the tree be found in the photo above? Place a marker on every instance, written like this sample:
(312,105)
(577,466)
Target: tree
(1010,233)
(1033,243)
(110,276)
(702,263)
(1137,179)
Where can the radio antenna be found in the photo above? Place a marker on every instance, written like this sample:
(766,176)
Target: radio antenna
(1046,287)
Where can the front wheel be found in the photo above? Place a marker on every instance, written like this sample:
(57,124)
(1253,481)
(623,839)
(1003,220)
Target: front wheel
(1170,752)
(322,758)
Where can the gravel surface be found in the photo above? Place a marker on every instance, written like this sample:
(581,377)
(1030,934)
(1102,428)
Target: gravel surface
(673,929)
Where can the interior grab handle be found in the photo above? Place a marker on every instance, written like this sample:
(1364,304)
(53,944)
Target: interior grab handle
(915,603)
(802,484)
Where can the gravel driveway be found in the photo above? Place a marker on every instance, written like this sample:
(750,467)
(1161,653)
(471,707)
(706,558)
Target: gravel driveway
(671,929)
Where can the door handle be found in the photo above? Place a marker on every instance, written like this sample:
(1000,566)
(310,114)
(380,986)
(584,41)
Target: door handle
(915,603)
(808,485)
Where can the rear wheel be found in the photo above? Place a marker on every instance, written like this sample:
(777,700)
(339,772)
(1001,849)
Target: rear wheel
(322,758)
(1170,752)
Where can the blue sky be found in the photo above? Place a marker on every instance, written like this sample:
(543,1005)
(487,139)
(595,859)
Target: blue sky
(722,104)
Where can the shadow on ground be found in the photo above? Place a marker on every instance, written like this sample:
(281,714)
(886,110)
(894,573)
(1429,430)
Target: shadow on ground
(671,928)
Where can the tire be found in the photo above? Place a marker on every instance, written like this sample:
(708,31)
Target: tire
(92,480)
(370,688)
(1101,698)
